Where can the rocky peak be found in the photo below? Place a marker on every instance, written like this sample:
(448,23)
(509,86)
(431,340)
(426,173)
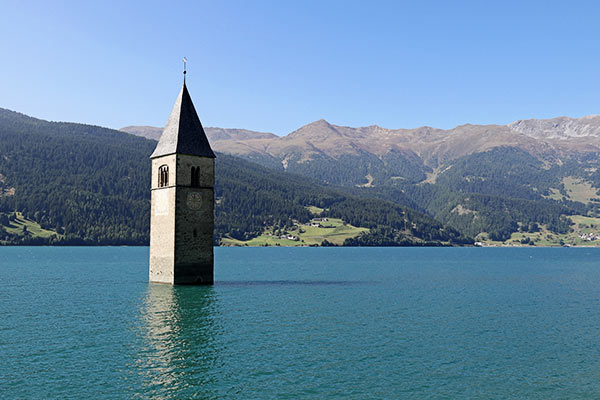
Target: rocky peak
(560,128)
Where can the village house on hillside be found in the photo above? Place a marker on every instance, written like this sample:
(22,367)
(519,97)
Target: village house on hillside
(590,236)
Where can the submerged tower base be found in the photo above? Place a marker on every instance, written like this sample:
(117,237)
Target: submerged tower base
(190,274)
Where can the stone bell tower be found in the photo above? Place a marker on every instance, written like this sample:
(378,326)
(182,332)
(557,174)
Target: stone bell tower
(182,211)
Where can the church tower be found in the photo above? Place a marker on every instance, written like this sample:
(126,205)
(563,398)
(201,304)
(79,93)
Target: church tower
(182,210)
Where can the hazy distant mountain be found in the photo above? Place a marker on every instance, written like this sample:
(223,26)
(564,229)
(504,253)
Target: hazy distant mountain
(368,155)
(540,136)
(561,128)
(149,132)
(214,134)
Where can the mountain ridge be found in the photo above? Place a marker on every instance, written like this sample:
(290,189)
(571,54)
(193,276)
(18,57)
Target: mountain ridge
(545,138)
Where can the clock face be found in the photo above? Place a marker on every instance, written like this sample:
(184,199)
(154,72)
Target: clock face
(194,201)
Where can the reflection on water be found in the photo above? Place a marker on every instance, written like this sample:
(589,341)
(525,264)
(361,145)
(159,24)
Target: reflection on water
(178,356)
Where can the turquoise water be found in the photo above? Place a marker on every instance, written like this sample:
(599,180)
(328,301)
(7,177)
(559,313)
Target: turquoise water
(291,323)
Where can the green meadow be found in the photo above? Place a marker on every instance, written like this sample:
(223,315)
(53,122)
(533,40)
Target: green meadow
(333,230)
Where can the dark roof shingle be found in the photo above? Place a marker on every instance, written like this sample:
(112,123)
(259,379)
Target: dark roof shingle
(183,133)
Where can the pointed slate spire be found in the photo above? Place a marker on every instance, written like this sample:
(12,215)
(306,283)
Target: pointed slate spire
(183,133)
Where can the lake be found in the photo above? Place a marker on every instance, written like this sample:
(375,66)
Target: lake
(294,323)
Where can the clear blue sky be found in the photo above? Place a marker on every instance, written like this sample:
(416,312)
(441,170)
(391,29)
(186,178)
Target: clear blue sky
(275,66)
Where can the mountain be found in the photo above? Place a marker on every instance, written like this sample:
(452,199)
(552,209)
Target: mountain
(400,153)
(214,134)
(148,132)
(561,128)
(475,178)
(67,183)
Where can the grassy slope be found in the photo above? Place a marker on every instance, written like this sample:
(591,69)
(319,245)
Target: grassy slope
(33,228)
(314,210)
(577,190)
(333,231)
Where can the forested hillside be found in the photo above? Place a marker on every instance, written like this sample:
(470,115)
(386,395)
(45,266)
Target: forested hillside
(497,192)
(89,185)
(251,197)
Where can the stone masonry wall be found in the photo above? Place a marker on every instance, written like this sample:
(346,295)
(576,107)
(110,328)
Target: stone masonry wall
(182,222)
(162,223)
(194,221)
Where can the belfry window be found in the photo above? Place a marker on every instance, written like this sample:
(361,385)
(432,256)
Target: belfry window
(195,180)
(163,176)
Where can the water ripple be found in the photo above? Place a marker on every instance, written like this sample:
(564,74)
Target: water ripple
(309,323)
